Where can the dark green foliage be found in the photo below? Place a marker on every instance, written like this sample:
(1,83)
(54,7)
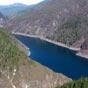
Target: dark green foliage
(70,31)
(69,36)
(14,9)
(9,53)
(82,83)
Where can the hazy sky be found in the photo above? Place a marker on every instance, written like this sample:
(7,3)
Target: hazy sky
(28,2)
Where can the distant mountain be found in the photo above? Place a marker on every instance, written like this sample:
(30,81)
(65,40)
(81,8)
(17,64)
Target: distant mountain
(16,5)
(13,9)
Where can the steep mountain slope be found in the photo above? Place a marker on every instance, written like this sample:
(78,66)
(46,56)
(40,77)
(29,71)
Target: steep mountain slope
(65,21)
(2,20)
(19,71)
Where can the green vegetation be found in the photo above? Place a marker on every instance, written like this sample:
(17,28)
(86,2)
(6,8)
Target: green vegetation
(70,31)
(69,36)
(82,83)
(73,23)
(17,69)
(10,56)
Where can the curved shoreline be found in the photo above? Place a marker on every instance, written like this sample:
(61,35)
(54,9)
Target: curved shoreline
(56,43)
(48,40)
(23,47)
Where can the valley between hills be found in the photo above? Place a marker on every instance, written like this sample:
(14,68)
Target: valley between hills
(62,22)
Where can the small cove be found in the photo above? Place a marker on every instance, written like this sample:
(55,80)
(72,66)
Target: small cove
(57,58)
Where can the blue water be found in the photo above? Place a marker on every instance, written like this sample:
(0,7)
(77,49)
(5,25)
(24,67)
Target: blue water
(57,58)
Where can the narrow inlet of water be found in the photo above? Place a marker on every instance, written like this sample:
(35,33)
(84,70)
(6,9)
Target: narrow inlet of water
(57,58)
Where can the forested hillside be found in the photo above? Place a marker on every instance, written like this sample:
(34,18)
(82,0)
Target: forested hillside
(19,71)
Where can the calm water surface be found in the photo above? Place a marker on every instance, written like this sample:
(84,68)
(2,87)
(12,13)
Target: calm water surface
(57,58)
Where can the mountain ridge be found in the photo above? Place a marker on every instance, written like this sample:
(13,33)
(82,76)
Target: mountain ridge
(54,20)
(13,9)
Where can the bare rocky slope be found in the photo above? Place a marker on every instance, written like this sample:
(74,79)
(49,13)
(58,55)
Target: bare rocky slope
(65,21)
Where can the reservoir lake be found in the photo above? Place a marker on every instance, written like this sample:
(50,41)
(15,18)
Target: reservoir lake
(57,58)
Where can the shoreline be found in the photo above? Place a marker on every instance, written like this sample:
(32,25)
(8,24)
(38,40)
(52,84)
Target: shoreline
(48,40)
(56,43)
(82,55)
(23,47)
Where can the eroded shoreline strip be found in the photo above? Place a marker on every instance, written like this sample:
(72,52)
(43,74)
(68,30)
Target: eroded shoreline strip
(48,40)
(54,42)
